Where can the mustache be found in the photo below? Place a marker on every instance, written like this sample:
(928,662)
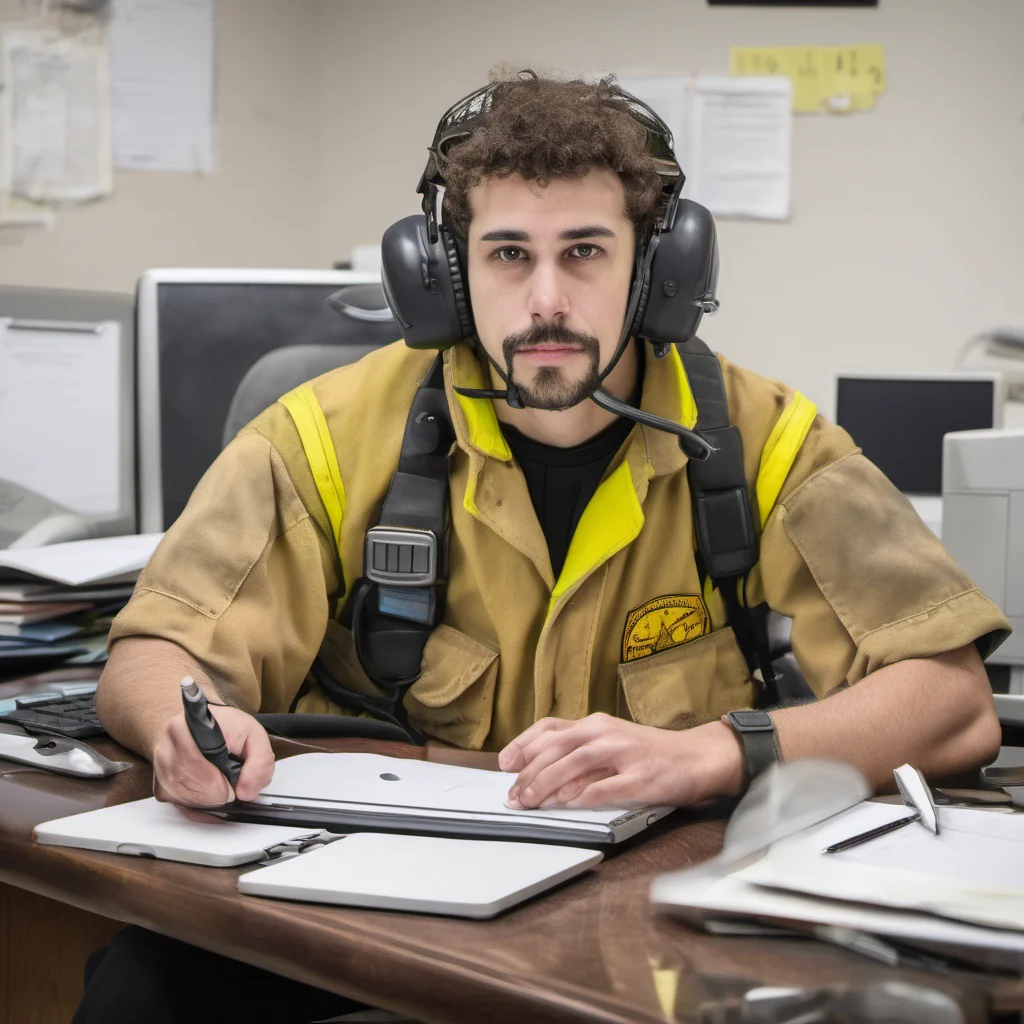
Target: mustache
(541,333)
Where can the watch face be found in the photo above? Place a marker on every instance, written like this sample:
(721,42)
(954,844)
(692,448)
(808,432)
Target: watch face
(752,720)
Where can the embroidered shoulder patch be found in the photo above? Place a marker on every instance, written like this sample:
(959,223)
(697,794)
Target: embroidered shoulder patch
(663,623)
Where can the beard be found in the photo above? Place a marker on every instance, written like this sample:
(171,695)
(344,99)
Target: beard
(550,388)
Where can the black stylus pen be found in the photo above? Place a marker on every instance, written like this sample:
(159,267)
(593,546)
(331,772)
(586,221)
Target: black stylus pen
(206,732)
(872,833)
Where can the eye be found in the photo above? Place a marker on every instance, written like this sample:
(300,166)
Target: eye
(510,254)
(584,251)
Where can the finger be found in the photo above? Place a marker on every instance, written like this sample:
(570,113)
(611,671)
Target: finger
(258,763)
(510,758)
(541,754)
(524,780)
(191,791)
(186,776)
(561,771)
(572,733)
(571,790)
(549,746)
(624,791)
(191,813)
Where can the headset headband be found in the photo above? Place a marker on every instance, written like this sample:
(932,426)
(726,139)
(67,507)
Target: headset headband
(470,114)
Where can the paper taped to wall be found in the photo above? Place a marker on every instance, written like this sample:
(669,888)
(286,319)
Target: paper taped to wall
(163,65)
(835,79)
(55,116)
(732,139)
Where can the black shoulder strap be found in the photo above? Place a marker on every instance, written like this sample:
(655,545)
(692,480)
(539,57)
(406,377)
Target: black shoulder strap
(723,513)
(399,600)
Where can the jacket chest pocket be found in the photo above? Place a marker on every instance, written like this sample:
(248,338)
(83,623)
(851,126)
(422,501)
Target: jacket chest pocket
(453,699)
(687,685)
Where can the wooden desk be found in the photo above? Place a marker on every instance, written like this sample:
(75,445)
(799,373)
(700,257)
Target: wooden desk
(592,951)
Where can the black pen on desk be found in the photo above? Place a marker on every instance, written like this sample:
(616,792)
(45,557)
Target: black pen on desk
(206,732)
(872,833)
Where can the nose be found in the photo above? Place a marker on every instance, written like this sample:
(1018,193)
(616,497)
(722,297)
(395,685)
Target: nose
(548,295)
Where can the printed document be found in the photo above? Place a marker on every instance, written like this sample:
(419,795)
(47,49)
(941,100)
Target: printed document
(163,66)
(55,116)
(732,139)
(77,562)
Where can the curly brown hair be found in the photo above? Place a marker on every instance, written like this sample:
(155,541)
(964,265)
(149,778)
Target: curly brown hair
(542,128)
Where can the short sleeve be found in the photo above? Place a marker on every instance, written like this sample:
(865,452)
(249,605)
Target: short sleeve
(241,580)
(864,580)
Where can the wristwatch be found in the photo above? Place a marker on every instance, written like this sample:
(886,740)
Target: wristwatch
(756,732)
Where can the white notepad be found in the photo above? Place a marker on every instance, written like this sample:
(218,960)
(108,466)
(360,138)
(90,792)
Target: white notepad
(458,877)
(148,828)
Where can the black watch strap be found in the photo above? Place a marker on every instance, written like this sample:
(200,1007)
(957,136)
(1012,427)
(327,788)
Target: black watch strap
(756,732)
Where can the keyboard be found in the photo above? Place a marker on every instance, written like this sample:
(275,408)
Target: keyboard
(61,714)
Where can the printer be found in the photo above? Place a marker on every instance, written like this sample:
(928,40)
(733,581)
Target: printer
(983,528)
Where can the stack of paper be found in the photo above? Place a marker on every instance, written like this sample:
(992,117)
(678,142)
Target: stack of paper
(962,887)
(56,602)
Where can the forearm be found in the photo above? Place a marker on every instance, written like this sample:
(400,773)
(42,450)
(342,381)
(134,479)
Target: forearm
(139,691)
(935,713)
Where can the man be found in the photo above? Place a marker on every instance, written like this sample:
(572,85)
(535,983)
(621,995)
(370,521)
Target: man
(580,637)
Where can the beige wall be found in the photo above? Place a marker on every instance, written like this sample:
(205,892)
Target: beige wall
(261,209)
(907,221)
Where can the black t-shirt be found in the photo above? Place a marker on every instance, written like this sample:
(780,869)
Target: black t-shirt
(562,480)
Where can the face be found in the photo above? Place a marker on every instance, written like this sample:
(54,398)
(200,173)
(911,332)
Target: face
(549,276)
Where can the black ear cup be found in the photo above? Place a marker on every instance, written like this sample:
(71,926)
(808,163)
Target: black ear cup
(423,285)
(683,278)
(460,291)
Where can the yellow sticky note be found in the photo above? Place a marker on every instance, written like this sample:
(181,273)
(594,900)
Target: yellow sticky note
(825,78)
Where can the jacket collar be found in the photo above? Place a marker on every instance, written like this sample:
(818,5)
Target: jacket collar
(666,392)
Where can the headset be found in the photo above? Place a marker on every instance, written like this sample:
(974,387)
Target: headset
(674,278)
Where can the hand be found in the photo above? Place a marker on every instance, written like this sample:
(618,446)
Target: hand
(599,760)
(181,774)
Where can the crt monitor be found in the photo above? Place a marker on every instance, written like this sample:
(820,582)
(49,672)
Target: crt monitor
(899,420)
(199,331)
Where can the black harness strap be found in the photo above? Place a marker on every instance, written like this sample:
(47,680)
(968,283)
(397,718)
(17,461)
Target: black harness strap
(723,513)
(399,600)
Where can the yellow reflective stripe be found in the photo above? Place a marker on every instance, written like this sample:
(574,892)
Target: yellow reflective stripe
(482,424)
(709,590)
(469,498)
(780,451)
(688,405)
(316,440)
(613,517)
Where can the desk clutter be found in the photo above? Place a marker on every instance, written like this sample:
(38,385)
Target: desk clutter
(392,870)
(57,602)
(805,850)
(944,892)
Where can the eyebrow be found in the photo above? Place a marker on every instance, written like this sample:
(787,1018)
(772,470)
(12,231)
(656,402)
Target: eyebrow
(569,235)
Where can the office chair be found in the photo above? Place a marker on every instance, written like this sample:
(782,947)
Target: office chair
(278,372)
